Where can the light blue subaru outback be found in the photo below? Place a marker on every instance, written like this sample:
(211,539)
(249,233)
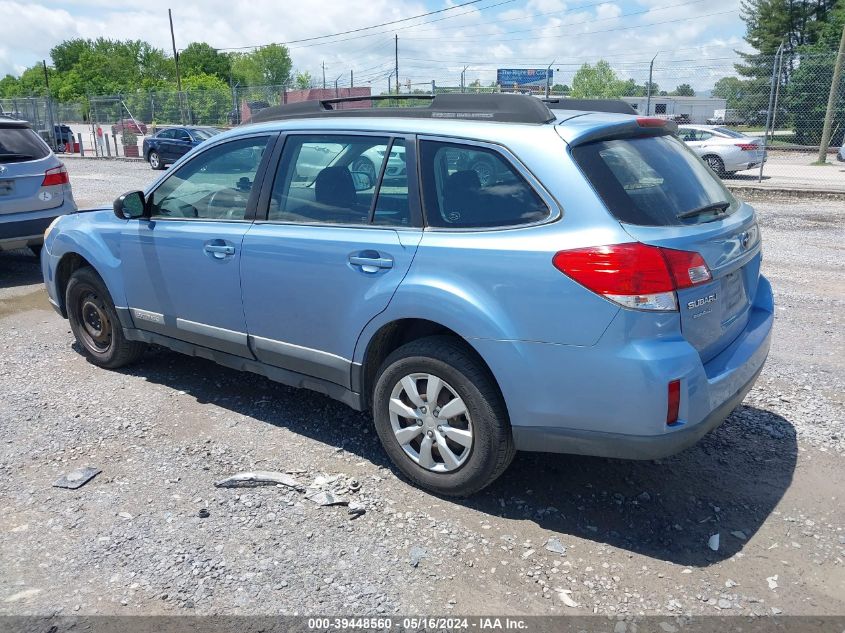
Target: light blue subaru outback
(486,273)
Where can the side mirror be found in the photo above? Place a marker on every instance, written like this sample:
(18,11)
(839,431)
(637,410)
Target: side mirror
(130,206)
(362,180)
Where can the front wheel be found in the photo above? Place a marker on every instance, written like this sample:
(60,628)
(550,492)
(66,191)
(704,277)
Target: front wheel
(155,160)
(94,322)
(441,418)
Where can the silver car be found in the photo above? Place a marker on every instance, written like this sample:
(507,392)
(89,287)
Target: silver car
(34,187)
(724,150)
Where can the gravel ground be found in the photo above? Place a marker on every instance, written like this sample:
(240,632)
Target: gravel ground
(555,535)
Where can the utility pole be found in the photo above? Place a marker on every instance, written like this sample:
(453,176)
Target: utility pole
(549,72)
(648,88)
(176,61)
(389,85)
(396,60)
(351,79)
(324,75)
(831,99)
(463,78)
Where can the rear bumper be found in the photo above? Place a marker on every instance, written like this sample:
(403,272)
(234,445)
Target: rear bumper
(19,230)
(611,399)
(553,440)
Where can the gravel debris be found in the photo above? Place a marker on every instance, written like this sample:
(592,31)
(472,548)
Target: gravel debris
(132,540)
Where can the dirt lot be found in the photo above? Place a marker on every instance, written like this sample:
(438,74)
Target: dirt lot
(634,535)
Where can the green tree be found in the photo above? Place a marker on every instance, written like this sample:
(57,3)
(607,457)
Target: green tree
(561,89)
(200,58)
(599,81)
(303,80)
(208,98)
(806,95)
(268,65)
(684,90)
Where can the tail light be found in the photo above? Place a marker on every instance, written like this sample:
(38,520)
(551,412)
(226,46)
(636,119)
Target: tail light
(747,147)
(55,176)
(674,399)
(634,275)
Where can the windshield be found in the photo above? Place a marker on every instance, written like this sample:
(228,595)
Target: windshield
(654,181)
(203,133)
(20,144)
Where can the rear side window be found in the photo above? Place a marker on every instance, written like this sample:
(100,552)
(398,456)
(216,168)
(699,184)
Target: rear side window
(654,181)
(18,144)
(467,186)
(341,179)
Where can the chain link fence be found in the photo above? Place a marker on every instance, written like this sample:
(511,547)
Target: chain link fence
(789,93)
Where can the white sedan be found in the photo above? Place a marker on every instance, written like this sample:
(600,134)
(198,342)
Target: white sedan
(724,150)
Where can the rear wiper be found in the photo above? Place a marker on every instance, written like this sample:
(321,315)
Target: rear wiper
(717,207)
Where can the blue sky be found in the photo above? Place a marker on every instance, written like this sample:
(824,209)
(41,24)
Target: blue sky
(694,39)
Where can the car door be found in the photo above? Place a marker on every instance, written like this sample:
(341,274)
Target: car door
(162,143)
(182,143)
(330,251)
(181,265)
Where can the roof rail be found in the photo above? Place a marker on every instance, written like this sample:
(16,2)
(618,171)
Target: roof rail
(466,107)
(616,106)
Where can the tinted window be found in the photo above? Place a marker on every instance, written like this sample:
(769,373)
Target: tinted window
(466,186)
(182,135)
(214,185)
(651,181)
(334,179)
(18,144)
(166,134)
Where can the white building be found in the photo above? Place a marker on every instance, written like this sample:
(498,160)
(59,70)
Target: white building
(698,109)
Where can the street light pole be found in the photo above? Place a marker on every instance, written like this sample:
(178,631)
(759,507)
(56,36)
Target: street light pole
(648,88)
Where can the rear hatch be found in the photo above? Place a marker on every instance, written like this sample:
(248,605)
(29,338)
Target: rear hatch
(664,196)
(31,177)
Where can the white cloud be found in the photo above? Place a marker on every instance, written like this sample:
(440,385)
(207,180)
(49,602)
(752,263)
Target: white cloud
(513,35)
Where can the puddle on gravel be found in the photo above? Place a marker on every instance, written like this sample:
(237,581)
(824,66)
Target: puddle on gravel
(36,300)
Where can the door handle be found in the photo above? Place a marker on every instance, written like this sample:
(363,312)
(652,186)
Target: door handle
(371,262)
(219,251)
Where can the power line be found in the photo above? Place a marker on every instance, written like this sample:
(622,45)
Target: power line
(402,28)
(358,30)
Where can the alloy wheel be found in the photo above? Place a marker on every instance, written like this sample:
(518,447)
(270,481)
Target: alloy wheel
(431,422)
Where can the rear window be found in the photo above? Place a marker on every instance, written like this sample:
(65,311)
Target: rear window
(18,144)
(467,186)
(654,181)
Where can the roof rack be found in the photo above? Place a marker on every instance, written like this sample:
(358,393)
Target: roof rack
(616,106)
(501,107)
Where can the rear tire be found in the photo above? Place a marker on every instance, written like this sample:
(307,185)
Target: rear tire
(95,324)
(480,443)
(716,164)
(155,161)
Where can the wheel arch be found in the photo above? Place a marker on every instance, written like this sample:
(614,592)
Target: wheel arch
(393,334)
(68,264)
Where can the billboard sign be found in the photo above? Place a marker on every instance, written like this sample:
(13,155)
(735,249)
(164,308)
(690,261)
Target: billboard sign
(508,77)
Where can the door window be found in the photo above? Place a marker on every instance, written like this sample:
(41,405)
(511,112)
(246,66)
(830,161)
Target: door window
(182,135)
(341,179)
(468,186)
(166,134)
(215,185)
